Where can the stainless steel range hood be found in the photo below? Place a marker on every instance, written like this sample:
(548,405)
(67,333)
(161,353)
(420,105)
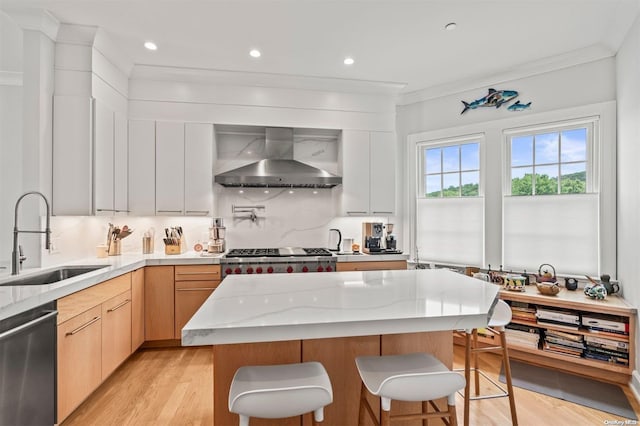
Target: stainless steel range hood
(279,169)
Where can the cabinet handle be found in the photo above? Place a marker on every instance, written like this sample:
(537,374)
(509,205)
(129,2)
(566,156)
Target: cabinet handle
(196,273)
(382,212)
(169,211)
(199,212)
(354,212)
(122,211)
(29,324)
(82,327)
(119,306)
(106,210)
(195,289)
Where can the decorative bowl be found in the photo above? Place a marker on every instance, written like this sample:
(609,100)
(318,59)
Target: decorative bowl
(548,289)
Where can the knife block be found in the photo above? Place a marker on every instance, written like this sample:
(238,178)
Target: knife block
(179,248)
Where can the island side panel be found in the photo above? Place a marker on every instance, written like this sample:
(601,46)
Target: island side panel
(437,343)
(338,357)
(228,358)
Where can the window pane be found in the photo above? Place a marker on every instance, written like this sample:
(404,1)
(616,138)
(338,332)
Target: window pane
(470,156)
(522,151)
(470,182)
(521,181)
(573,145)
(547,148)
(573,179)
(433,186)
(451,159)
(451,185)
(432,160)
(547,180)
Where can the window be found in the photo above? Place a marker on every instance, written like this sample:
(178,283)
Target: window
(550,161)
(449,207)
(451,170)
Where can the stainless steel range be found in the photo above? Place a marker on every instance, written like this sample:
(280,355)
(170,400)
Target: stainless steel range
(277,261)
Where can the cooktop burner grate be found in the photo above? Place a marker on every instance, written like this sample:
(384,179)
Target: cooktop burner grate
(317,251)
(275,252)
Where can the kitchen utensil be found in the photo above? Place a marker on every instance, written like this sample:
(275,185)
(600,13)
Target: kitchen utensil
(333,245)
(147,244)
(548,288)
(347,244)
(544,276)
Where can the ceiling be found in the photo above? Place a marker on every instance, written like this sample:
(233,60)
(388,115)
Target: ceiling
(398,41)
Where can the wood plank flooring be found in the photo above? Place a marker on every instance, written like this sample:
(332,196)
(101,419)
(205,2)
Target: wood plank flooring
(174,387)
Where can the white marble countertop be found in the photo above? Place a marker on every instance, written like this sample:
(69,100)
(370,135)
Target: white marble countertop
(247,308)
(17,299)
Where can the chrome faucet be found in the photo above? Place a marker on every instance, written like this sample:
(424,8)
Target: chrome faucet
(16,256)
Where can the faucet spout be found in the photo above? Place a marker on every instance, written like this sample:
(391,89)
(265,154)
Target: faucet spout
(16,254)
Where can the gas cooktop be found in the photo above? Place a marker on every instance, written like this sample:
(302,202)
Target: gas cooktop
(277,252)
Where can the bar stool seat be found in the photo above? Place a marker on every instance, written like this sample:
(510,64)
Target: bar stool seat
(499,319)
(279,391)
(409,377)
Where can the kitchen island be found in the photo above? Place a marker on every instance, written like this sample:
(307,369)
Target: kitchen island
(332,318)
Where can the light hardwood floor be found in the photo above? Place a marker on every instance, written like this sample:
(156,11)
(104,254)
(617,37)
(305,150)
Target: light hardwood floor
(174,387)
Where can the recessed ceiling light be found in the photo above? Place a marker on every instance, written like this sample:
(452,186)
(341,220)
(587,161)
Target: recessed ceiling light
(255,53)
(266,191)
(315,192)
(150,45)
(290,191)
(450,26)
(241,192)
(348,60)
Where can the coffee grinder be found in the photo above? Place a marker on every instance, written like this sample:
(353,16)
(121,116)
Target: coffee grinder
(390,240)
(372,236)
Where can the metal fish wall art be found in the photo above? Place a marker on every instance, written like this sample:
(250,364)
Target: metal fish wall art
(495,98)
(519,106)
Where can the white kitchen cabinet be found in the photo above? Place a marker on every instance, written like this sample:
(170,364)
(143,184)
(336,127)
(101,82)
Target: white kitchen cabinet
(103,159)
(170,168)
(368,173)
(120,164)
(72,154)
(142,167)
(355,172)
(198,178)
(383,173)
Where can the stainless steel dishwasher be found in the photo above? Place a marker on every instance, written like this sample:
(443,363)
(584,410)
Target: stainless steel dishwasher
(28,367)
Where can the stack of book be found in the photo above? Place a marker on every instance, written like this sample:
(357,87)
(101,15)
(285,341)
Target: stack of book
(564,343)
(560,318)
(523,311)
(601,344)
(523,335)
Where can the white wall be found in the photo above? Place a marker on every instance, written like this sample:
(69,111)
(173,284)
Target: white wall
(628,95)
(576,86)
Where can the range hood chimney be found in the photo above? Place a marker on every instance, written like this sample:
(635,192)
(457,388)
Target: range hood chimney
(278,169)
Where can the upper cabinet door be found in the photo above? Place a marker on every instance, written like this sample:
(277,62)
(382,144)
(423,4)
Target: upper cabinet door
(103,158)
(142,167)
(198,160)
(72,142)
(169,168)
(355,172)
(383,173)
(120,164)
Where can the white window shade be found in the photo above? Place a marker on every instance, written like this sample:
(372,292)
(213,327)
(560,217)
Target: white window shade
(450,230)
(561,230)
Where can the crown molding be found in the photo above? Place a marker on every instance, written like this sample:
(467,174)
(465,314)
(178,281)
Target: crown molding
(77,34)
(242,78)
(36,20)
(10,78)
(552,63)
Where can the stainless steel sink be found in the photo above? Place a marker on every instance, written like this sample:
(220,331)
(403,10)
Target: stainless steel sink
(53,276)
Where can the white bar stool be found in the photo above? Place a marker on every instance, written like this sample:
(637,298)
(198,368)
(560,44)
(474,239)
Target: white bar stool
(501,316)
(410,377)
(279,391)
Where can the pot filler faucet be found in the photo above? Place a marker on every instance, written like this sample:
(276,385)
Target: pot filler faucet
(16,256)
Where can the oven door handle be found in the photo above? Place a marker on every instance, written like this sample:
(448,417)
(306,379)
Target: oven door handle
(27,325)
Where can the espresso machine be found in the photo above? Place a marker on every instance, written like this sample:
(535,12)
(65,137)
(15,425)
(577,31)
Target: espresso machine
(372,237)
(217,233)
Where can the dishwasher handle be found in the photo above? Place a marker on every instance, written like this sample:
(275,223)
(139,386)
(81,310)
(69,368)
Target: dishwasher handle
(27,325)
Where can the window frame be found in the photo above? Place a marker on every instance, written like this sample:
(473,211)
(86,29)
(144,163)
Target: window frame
(458,141)
(592,124)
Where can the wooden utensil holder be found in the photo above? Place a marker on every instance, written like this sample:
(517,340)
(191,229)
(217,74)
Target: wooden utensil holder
(115,249)
(176,248)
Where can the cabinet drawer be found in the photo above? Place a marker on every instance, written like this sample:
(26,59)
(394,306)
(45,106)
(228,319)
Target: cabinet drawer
(196,285)
(76,303)
(197,272)
(371,266)
(79,359)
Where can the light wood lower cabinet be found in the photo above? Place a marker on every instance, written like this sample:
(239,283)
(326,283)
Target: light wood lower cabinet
(159,300)
(190,295)
(371,266)
(79,359)
(137,309)
(116,332)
